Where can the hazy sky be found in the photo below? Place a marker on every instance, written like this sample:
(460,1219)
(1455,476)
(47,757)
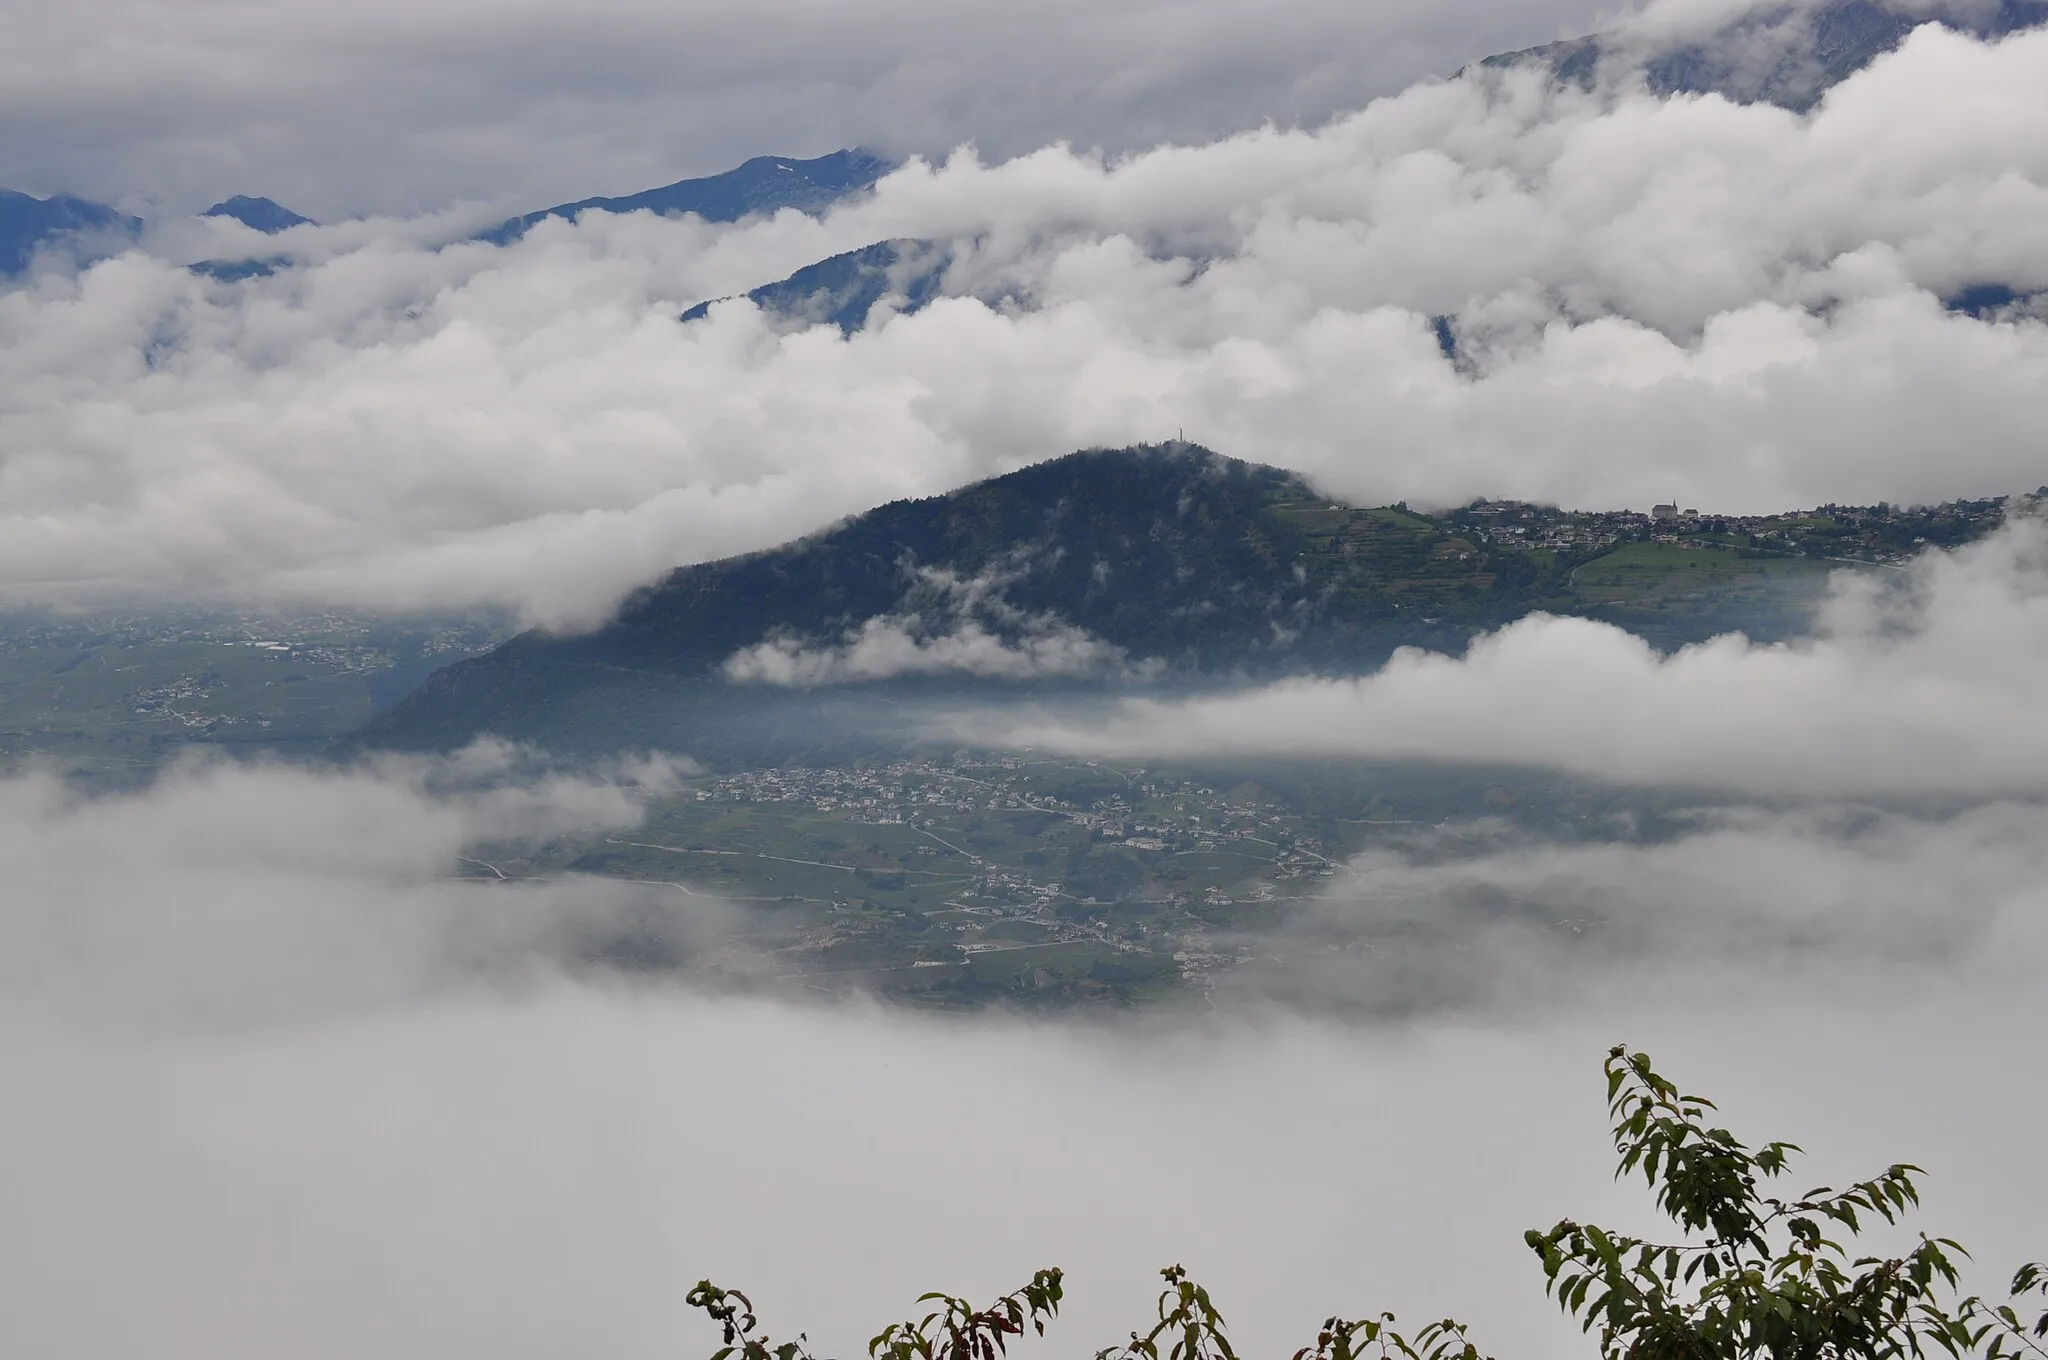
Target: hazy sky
(393,106)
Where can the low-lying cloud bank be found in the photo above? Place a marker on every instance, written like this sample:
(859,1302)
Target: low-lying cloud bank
(1737,901)
(1929,683)
(236,892)
(946,626)
(890,645)
(276,1086)
(1735,305)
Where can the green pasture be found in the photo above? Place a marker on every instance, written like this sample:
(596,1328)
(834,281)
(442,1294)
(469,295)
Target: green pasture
(1639,575)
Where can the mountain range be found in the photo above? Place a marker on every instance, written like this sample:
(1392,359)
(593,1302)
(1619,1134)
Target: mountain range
(764,184)
(1787,54)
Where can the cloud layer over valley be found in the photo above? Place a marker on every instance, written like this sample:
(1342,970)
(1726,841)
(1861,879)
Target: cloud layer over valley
(1735,305)
(278,1084)
(225,893)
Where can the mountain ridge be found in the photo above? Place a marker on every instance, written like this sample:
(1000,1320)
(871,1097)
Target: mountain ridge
(1108,571)
(761,184)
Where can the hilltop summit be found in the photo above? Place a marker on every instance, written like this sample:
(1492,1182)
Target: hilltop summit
(265,215)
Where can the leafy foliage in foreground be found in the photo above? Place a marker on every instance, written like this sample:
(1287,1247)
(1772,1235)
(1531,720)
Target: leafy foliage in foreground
(1754,1276)
(953,1330)
(1757,1275)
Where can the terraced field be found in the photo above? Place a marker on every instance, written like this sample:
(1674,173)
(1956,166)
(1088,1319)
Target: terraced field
(1367,555)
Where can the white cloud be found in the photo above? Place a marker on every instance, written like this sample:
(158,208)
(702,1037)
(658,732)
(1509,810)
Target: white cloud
(1818,900)
(231,891)
(483,1176)
(1926,684)
(968,628)
(890,645)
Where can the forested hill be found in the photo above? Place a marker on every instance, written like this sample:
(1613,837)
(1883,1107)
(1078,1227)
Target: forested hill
(1161,565)
(1175,554)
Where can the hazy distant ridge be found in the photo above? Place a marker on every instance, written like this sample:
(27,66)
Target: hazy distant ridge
(764,184)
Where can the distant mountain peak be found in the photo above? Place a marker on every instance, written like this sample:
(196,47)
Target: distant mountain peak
(29,224)
(263,214)
(764,184)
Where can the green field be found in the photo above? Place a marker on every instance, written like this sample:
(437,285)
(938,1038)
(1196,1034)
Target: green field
(1387,552)
(1642,575)
(1669,593)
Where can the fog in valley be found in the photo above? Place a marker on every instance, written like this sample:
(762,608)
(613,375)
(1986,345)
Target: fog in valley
(276,1083)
